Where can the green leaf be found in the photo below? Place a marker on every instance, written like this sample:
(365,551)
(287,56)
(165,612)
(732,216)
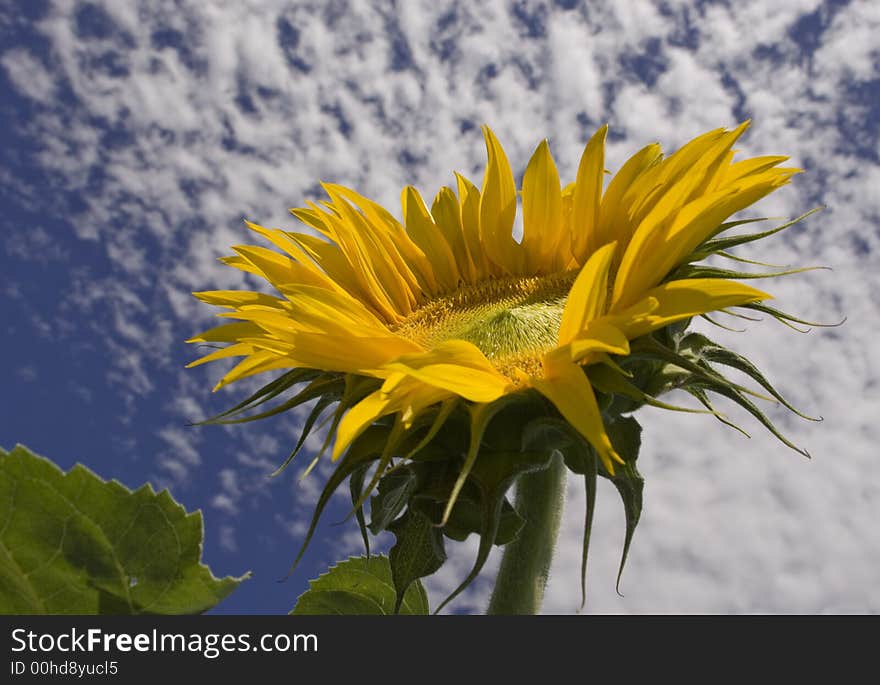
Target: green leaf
(418,552)
(72,543)
(360,585)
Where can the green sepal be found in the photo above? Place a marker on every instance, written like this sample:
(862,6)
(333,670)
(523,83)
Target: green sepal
(719,244)
(702,271)
(731,393)
(726,226)
(590,478)
(712,352)
(743,260)
(467,518)
(788,319)
(327,385)
(356,488)
(480,417)
(650,347)
(267,392)
(359,586)
(418,552)
(611,382)
(320,405)
(494,473)
(392,495)
(367,447)
(625,434)
(703,397)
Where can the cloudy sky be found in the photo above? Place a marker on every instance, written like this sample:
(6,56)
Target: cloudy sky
(135,137)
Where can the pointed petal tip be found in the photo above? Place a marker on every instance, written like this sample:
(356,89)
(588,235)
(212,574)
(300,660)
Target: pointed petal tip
(488,135)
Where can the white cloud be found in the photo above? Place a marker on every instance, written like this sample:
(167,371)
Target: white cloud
(228,539)
(28,75)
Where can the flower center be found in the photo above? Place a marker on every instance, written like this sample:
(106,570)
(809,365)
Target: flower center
(511,320)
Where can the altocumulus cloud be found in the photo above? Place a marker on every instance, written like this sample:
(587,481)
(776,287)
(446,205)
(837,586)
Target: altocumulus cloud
(162,124)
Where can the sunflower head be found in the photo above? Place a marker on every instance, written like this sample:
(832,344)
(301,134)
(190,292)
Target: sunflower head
(451,358)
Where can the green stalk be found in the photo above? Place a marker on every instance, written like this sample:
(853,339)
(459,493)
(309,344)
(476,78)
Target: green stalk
(519,586)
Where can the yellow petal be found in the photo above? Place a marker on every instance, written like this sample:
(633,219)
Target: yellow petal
(598,337)
(230,332)
(469,204)
(336,309)
(331,260)
(280,270)
(749,167)
(447,215)
(424,232)
(542,210)
(238,262)
(588,295)
(614,223)
(677,300)
(457,366)
(498,209)
(258,362)
(369,242)
(567,387)
(238,298)
(408,401)
(366,262)
(654,253)
(237,350)
(587,196)
(341,353)
(358,419)
(309,271)
(411,262)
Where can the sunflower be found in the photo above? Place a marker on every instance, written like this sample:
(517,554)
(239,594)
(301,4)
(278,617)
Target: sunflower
(409,324)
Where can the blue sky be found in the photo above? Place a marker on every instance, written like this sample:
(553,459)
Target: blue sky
(135,137)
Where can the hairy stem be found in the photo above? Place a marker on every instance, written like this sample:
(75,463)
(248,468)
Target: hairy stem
(519,586)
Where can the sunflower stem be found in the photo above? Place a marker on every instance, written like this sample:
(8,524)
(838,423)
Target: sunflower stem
(525,566)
